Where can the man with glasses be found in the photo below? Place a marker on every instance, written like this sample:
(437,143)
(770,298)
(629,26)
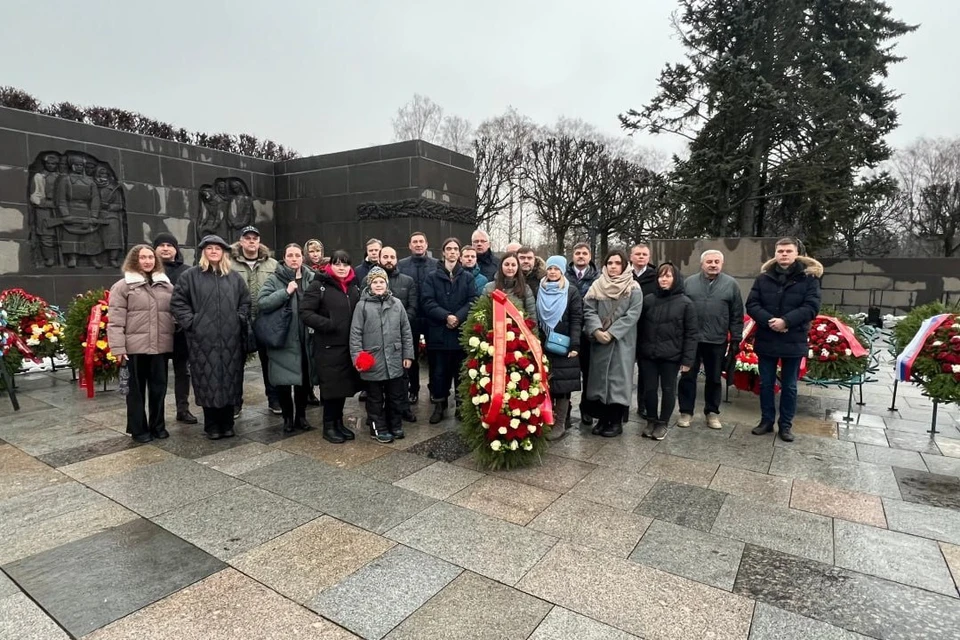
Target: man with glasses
(485,258)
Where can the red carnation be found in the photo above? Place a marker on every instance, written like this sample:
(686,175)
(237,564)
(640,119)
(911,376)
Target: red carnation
(473,364)
(524,362)
(364,361)
(524,384)
(478,329)
(530,323)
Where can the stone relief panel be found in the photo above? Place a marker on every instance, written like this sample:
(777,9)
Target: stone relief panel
(226,207)
(77,211)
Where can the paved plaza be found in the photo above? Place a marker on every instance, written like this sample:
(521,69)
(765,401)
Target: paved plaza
(850,532)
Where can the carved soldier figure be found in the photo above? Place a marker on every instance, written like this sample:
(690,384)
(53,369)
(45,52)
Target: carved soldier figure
(44,207)
(211,213)
(78,206)
(111,213)
(242,213)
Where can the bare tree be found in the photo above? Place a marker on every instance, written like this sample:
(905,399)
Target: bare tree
(929,174)
(496,165)
(456,134)
(557,174)
(419,119)
(876,229)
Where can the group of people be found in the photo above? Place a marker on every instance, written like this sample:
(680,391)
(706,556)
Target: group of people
(356,328)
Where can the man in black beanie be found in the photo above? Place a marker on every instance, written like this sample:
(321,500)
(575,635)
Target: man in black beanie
(168,250)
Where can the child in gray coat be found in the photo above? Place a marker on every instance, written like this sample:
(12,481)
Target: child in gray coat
(381,330)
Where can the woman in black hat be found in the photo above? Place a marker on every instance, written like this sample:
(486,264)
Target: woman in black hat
(211,303)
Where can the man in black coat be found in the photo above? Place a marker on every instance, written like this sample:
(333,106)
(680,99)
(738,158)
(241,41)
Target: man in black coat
(582,273)
(418,265)
(645,275)
(783,302)
(485,258)
(168,250)
(403,288)
(532,267)
(370,260)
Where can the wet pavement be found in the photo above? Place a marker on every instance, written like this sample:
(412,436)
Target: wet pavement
(852,531)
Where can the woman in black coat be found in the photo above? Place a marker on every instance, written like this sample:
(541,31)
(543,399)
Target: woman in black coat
(668,344)
(560,311)
(211,303)
(327,308)
(446,297)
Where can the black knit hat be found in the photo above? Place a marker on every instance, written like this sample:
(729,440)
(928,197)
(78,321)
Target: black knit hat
(165,238)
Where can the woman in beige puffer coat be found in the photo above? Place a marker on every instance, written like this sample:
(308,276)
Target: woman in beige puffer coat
(140,334)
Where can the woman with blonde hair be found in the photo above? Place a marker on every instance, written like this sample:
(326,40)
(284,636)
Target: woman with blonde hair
(211,303)
(313,257)
(140,333)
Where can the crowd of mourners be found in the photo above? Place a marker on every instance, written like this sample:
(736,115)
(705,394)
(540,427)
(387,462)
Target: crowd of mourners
(311,318)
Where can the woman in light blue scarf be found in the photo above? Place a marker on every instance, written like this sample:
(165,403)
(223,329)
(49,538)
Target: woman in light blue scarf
(560,311)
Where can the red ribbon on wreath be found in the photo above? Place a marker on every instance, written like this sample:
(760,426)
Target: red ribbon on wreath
(89,352)
(502,307)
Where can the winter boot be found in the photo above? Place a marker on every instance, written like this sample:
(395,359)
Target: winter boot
(438,409)
(786,433)
(380,434)
(331,433)
(344,431)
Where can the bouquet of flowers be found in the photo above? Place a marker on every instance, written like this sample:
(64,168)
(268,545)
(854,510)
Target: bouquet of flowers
(38,324)
(935,362)
(77,342)
(835,351)
(12,358)
(507,408)
(746,369)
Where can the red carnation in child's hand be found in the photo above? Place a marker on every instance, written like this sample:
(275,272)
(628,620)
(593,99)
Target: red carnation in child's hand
(364,361)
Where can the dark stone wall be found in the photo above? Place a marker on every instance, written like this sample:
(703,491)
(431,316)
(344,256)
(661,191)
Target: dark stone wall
(160,179)
(314,197)
(317,197)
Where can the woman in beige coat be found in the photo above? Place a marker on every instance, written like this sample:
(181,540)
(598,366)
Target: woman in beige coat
(140,335)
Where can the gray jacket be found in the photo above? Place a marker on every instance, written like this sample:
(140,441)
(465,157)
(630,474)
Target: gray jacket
(719,307)
(380,326)
(528,305)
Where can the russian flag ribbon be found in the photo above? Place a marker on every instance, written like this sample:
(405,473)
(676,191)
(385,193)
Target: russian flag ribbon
(906,360)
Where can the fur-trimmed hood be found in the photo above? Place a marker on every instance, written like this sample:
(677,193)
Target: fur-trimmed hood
(811,267)
(236,252)
(133,278)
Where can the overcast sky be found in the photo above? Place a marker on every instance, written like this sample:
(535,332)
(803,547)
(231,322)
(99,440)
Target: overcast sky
(324,76)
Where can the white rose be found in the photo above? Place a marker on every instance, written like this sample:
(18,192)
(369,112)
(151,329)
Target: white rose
(937,343)
(484,345)
(517,355)
(484,382)
(495,445)
(530,368)
(491,350)
(473,373)
(534,391)
(847,352)
(514,445)
(485,425)
(955,368)
(536,377)
(511,386)
(484,398)
(821,327)
(515,412)
(474,342)
(527,445)
(515,377)
(502,431)
(524,396)
(514,423)
(824,353)
(511,336)
(531,428)
(535,411)
(483,370)
(475,400)
(810,353)
(525,415)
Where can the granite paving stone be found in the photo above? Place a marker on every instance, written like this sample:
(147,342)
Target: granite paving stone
(555,474)
(64,457)
(916,425)
(837,503)
(7,586)
(921,443)
(772,623)
(51,439)
(951,553)
(394,466)
(244,451)
(682,504)
(895,556)
(382,594)
(864,435)
(158,488)
(355,498)
(563,624)
(238,467)
(577,445)
(592,525)
(235,521)
(695,472)
(942,464)
(312,444)
(817,446)
(859,419)
(949,446)
(225,606)
(635,598)
(854,601)
(617,488)
(91,582)
(440,480)
(20,473)
(116,463)
(627,453)
(780,528)
(923,520)
(22,619)
(488,546)
(195,444)
(446,447)
(845,474)
(809,426)
(505,499)
(892,457)
(753,455)
(466,609)
(301,563)
(756,486)
(690,553)
(929,488)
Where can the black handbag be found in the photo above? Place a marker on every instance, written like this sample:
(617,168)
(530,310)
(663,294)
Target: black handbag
(271,327)
(248,340)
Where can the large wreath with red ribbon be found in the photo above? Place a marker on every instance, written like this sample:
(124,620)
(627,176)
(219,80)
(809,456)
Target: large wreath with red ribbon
(507,409)
(85,341)
(932,358)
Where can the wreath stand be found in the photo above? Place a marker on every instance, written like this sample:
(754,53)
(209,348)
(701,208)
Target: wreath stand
(869,334)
